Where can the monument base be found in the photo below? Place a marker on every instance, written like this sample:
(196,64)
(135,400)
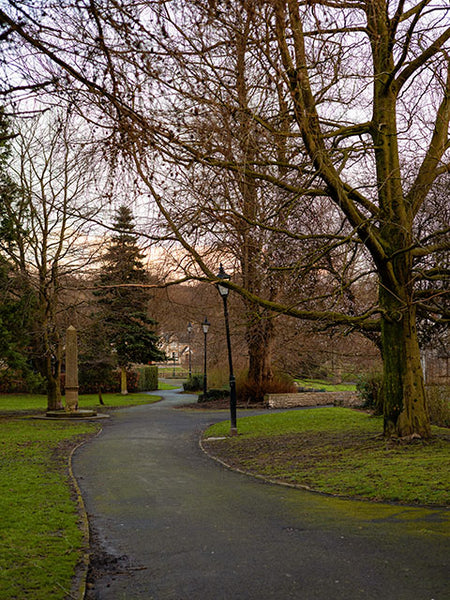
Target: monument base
(76,414)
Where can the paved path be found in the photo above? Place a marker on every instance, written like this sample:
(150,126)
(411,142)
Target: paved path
(193,530)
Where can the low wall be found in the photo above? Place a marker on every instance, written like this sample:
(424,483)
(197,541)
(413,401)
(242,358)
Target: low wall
(349,399)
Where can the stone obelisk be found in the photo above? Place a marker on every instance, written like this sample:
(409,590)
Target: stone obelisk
(71,370)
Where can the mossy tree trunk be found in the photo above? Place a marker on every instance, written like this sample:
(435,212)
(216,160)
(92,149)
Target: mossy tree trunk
(47,346)
(52,375)
(405,411)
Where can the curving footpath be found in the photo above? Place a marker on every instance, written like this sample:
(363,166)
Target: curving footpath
(175,525)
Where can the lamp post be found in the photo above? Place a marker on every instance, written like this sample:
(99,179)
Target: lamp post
(205,326)
(189,330)
(223,291)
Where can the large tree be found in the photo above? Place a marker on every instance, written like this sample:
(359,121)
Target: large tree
(16,304)
(46,219)
(365,91)
(123,298)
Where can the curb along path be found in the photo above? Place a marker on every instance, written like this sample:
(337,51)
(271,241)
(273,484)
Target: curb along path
(179,526)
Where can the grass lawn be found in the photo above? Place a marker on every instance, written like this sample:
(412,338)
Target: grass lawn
(318,384)
(167,386)
(41,541)
(36,402)
(337,451)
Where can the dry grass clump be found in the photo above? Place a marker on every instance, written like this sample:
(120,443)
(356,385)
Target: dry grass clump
(438,400)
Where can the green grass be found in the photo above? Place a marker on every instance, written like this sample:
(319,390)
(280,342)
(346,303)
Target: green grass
(297,421)
(167,386)
(36,402)
(40,539)
(338,451)
(318,384)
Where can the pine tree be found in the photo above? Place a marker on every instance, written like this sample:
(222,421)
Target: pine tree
(123,298)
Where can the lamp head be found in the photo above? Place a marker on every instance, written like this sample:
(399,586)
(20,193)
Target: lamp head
(205,325)
(223,290)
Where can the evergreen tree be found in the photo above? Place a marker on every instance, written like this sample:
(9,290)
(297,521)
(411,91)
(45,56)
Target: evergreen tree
(123,298)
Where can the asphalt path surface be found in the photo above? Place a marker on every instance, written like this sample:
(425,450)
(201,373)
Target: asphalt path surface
(176,525)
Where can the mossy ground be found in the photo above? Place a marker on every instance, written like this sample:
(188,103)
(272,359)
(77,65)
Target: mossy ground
(337,451)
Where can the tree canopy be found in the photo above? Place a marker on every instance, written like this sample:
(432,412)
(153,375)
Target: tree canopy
(330,117)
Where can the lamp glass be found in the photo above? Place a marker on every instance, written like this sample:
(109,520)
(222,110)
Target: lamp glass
(222,275)
(223,291)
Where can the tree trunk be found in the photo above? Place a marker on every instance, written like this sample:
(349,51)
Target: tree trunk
(405,410)
(260,343)
(123,381)
(51,372)
(100,397)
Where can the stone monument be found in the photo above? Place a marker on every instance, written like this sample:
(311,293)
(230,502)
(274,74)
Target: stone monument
(71,370)
(71,408)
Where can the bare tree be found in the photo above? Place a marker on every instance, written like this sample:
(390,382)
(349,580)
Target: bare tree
(49,220)
(364,87)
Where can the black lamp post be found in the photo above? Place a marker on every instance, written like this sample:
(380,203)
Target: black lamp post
(205,326)
(189,330)
(223,291)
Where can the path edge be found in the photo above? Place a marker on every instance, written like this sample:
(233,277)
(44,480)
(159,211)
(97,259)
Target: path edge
(80,578)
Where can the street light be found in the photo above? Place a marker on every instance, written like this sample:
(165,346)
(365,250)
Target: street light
(223,291)
(205,326)
(189,330)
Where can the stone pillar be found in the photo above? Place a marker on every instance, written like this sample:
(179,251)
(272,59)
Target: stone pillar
(71,370)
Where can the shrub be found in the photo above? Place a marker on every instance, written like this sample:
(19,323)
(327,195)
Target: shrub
(91,380)
(93,375)
(148,378)
(132,381)
(213,394)
(194,383)
(252,392)
(438,401)
(370,390)
(17,382)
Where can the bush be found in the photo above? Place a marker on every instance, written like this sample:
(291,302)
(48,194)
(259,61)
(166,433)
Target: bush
(96,374)
(15,382)
(147,378)
(252,392)
(91,379)
(369,388)
(132,381)
(194,383)
(438,401)
(213,394)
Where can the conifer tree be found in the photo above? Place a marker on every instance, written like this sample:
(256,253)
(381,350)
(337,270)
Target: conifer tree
(123,298)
